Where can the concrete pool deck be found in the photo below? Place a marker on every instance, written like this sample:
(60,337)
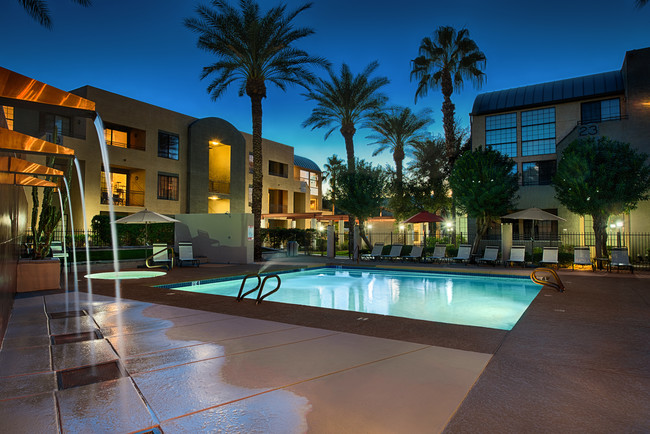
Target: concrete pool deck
(576,362)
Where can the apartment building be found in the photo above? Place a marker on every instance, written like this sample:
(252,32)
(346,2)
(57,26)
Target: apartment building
(172,163)
(533,124)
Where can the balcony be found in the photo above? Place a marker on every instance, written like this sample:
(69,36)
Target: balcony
(122,197)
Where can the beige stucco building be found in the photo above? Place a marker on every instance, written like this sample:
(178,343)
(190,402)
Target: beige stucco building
(533,124)
(173,164)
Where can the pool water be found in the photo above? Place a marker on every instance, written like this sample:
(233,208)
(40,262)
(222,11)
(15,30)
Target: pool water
(484,301)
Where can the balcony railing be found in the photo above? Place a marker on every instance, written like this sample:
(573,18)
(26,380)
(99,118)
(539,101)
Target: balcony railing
(222,187)
(124,197)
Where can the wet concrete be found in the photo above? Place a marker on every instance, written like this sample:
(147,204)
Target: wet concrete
(575,362)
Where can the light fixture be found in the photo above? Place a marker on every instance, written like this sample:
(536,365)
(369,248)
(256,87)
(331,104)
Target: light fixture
(369,226)
(401,227)
(619,224)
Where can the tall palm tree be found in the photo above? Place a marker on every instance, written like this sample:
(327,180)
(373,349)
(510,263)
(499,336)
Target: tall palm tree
(332,169)
(396,129)
(346,102)
(446,61)
(253,49)
(38,10)
(641,3)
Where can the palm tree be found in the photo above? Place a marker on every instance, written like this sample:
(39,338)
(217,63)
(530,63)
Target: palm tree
(347,102)
(332,168)
(253,49)
(641,3)
(445,61)
(38,10)
(396,129)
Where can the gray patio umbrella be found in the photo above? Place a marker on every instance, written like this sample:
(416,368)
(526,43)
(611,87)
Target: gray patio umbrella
(145,217)
(534,214)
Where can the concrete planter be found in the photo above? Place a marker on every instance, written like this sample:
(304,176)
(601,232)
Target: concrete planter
(38,275)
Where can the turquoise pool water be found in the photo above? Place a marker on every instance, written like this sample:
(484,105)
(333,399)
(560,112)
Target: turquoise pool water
(484,301)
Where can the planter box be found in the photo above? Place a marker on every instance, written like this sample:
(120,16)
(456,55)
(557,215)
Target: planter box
(38,275)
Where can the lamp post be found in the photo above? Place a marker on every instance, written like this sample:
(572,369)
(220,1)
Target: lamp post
(619,225)
(401,228)
(370,233)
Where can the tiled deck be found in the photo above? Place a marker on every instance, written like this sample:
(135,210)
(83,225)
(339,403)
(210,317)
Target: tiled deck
(575,362)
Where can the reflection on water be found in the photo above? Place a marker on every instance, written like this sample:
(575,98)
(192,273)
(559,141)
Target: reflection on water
(485,301)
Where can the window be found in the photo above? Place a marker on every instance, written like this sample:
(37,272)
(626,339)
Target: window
(538,172)
(278,169)
(598,111)
(250,195)
(61,124)
(313,184)
(167,145)
(116,137)
(251,163)
(538,132)
(501,133)
(167,186)
(9,116)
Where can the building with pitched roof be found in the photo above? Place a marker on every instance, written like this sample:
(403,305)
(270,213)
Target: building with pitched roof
(533,124)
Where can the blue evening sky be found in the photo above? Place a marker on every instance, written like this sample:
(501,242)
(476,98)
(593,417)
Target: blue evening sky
(140,49)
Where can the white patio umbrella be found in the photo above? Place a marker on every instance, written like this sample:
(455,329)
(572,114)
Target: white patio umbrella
(145,217)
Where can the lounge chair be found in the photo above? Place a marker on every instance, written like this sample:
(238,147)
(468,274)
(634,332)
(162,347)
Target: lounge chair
(620,258)
(161,257)
(376,252)
(581,256)
(186,255)
(549,256)
(490,255)
(416,254)
(464,253)
(439,253)
(57,250)
(395,252)
(517,255)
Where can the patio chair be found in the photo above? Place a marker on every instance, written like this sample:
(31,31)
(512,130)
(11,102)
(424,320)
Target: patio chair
(57,249)
(416,254)
(581,256)
(549,256)
(160,257)
(376,252)
(439,253)
(395,252)
(186,255)
(464,253)
(620,258)
(517,255)
(490,255)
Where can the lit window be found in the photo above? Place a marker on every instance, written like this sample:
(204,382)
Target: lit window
(116,137)
(538,132)
(251,163)
(9,116)
(598,111)
(313,184)
(501,133)
(250,195)
(167,145)
(167,187)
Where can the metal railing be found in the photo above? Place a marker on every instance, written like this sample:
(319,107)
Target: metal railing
(124,198)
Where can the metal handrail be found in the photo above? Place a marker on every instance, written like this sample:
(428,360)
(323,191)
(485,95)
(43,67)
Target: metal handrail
(167,266)
(558,285)
(261,297)
(241,296)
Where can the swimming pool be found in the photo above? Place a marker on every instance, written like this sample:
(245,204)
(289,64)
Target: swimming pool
(484,301)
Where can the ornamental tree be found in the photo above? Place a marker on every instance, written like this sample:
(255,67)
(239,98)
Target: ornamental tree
(485,187)
(361,192)
(601,177)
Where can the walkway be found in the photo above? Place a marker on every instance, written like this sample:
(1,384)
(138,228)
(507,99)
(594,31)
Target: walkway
(575,362)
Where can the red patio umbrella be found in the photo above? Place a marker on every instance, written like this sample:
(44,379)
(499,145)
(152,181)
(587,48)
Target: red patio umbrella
(424,217)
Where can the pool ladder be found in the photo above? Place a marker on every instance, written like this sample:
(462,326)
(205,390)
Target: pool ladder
(558,285)
(259,287)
